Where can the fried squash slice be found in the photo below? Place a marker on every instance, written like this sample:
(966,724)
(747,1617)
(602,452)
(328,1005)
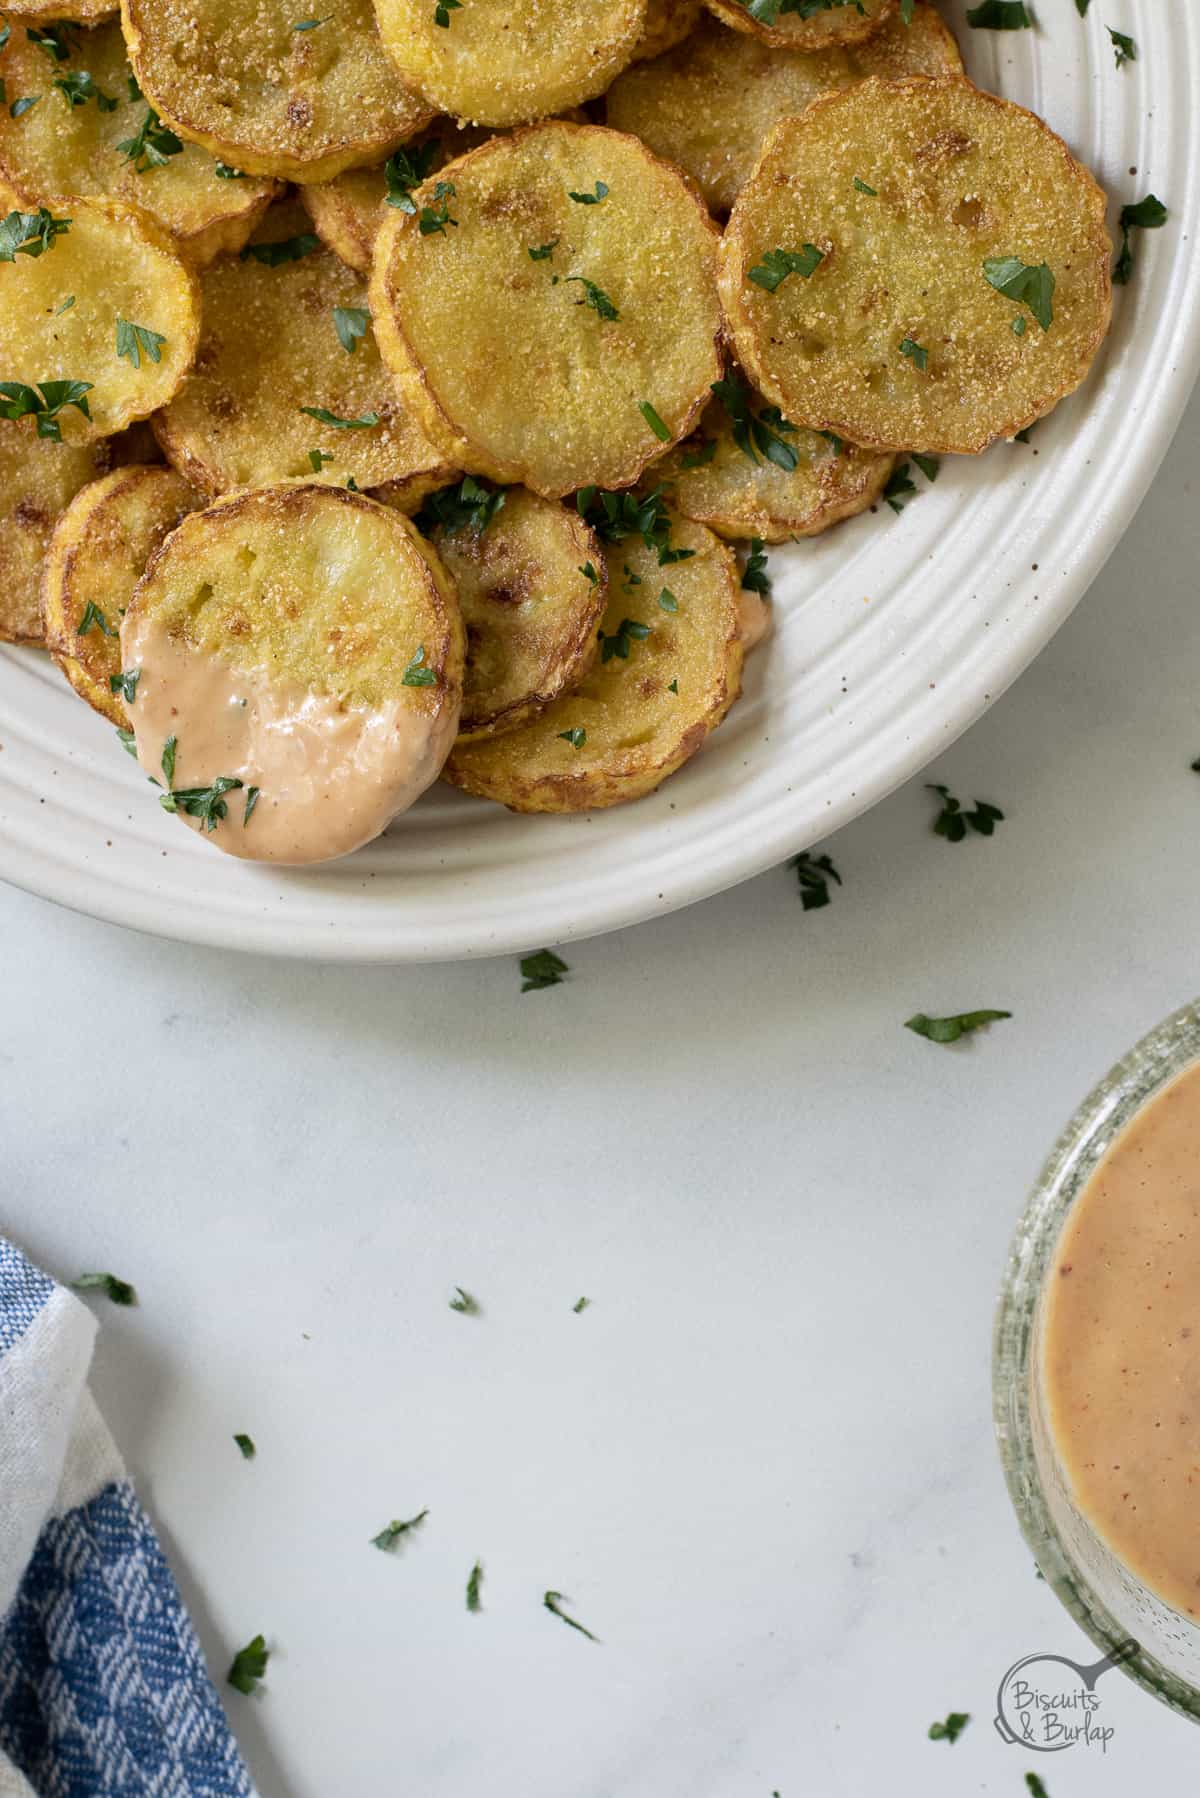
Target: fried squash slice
(803,24)
(667,24)
(301,99)
(508,62)
(96,557)
(288,381)
(54,12)
(746,472)
(668,670)
(99,318)
(918,265)
(104,142)
(298,652)
(710,104)
(564,328)
(531,583)
(38,480)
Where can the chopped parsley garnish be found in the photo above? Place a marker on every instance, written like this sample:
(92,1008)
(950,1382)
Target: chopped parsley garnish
(1000,15)
(951,1729)
(317,459)
(25,104)
(350,323)
(952,822)
(580,1305)
(119,1291)
(930,466)
(862,188)
(252,798)
(756,433)
(77,87)
(246,1444)
(576,738)
(53,40)
(1146,215)
(17,400)
(542,969)
(596,298)
(152,145)
(469,506)
(667,601)
(814,872)
(132,340)
(673,687)
(465,1304)
(92,616)
(917,356)
(589,573)
(654,421)
(592,199)
(417,674)
(553,1603)
(406,170)
(66,305)
(948,1030)
(1124,47)
(284,249)
(615,516)
(432,220)
(443,9)
(833,440)
(125,684)
(323,417)
(1036,1788)
(206,803)
(543,251)
(777,265)
(223,172)
(391,1532)
(30,234)
(1081,7)
(700,458)
(168,760)
(768,11)
(618,642)
(128,742)
(1018,325)
(249,1666)
(755,578)
(900,487)
(474,1603)
(1030,285)
(311,24)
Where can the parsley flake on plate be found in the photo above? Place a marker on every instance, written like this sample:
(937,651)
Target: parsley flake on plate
(814,872)
(1030,284)
(755,578)
(1035,1786)
(1000,15)
(542,969)
(580,1305)
(952,822)
(206,803)
(1145,215)
(465,1304)
(245,1445)
(392,1532)
(948,1030)
(777,265)
(120,1292)
(756,433)
(951,1729)
(474,1582)
(1124,48)
(249,1666)
(553,1603)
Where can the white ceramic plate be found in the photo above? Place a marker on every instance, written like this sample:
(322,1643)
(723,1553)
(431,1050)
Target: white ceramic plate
(892,634)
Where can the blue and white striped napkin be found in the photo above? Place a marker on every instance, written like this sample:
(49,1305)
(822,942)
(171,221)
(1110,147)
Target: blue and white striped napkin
(103,1690)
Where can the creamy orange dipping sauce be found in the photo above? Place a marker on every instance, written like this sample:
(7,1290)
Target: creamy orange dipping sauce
(1121,1346)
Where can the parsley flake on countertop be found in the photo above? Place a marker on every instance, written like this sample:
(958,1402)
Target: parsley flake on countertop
(777,265)
(948,1030)
(417,674)
(1000,15)
(133,340)
(246,1445)
(756,433)
(952,822)
(654,421)
(350,323)
(1124,48)
(323,417)
(119,1291)
(391,1532)
(918,356)
(592,199)
(755,578)
(406,170)
(465,1304)
(249,1666)
(814,872)
(92,617)
(597,299)
(1030,284)
(18,400)
(1145,215)
(284,249)
(30,234)
(542,969)
(553,1603)
(951,1729)
(474,1582)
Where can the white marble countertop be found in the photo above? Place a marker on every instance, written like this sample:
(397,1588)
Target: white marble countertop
(761,1463)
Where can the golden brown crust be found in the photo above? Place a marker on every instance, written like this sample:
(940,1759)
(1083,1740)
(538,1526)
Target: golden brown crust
(264,97)
(847,22)
(46,12)
(464,318)
(958,177)
(96,556)
(637,730)
(710,104)
(667,24)
(38,480)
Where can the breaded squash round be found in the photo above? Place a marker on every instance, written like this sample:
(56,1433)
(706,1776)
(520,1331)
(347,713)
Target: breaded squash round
(667,24)
(96,557)
(100,327)
(669,668)
(103,144)
(530,578)
(298,98)
(299,656)
(550,312)
(747,472)
(507,62)
(806,27)
(917,265)
(709,105)
(47,12)
(278,337)
(38,480)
